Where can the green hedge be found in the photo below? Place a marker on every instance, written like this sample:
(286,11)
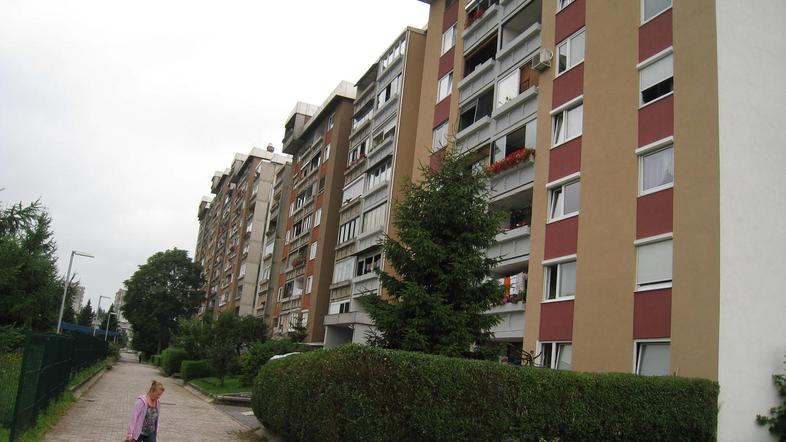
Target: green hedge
(356,393)
(156,360)
(195,369)
(260,353)
(171,358)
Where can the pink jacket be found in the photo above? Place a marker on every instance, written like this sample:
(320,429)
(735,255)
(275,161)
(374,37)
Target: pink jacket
(137,418)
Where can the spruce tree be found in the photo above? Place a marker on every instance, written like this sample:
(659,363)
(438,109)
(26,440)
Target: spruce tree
(437,298)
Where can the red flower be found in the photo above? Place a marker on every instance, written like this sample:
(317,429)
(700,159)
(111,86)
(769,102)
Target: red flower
(520,156)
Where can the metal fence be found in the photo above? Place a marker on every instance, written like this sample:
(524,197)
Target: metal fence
(49,361)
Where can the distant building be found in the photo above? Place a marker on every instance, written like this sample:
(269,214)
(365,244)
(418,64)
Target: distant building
(120,296)
(78,297)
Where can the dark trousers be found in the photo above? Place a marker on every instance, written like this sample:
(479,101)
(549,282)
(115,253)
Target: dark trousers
(149,438)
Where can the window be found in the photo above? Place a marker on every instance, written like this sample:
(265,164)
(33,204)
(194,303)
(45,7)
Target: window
(383,136)
(314,163)
(440,139)
(653,265)
(317,217)
(448,39)
(394,53)
(653,358)
(374,218)
(656,79)
(292,288)
(363,115)
(368,264)
(570,52)
(520,22)
(389,91)
(309,283)
(564,200)
(353,190)
(342,271)
(339,307)
(444,86)
(479,108)
(515,83)
(327,152)
(347,231)
(516,140)
(303,197)
(561,280)
(651,8)
(313,253)
(656,170)
(321,184)
(567,124)
(357,153)
(330,121)
(556,355)
(379,173)
(561,4)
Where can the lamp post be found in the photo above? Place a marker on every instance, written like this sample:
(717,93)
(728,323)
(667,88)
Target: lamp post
(66,283)
(97,310)
(108,317)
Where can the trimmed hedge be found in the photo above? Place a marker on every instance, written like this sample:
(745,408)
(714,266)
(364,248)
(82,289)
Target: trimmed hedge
(355,393)
(156,360)
(260,353)
(171,358)
(195,369)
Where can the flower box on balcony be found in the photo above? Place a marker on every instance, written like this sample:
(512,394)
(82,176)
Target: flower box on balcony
(514,159)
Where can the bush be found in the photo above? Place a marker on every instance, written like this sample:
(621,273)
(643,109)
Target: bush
(195,369)
(259,354)
(356,393)
(171,358)
(114,350)
(11,339)
(10,366)
(156,360)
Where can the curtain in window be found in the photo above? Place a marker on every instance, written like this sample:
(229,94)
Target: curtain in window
(567,279)
(564,356)
(654,359)
(658,169)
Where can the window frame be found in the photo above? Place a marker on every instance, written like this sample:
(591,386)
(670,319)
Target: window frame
(668,52)
(444,126)
(647,20)
(449,78)
(562,4)
(555,265)
(444,50)
(641,154)
(561,113)
(568,42)
(556,346)
(656,284)
(561,185)
(638,343)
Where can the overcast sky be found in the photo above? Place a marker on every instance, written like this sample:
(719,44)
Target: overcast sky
(116,114)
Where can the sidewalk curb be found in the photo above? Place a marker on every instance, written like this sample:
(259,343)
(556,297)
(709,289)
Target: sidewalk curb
(83,387)
(198,392)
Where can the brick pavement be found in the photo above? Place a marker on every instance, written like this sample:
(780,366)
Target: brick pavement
(102,414)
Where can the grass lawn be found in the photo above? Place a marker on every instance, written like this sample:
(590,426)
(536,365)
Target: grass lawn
(212,385)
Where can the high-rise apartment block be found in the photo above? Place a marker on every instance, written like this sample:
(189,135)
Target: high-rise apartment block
(232,229)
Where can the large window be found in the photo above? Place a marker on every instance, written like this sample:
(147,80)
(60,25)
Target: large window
(653,358)
(567,124)
(518,139)
(654,265)
(651,8)
(374,218)
(656,79)
(357,152)
(342,271)
(448,39)
(560,280)
(379,173)
(303,197)
(394,53)
(353,190)
(367,264)
(479,108)
(389,91)
(556,355)
(313,253)
(564,200)
(520,22)
(338,307)
(383,136)
(347,231)
(570,52)
(440,137)
(444,86)
(656,170)
(515,83)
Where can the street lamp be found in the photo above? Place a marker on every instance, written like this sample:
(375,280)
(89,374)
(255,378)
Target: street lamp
(98,309)
(66,283)
(108,317)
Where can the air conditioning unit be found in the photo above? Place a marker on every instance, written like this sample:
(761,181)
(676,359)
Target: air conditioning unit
(542,60)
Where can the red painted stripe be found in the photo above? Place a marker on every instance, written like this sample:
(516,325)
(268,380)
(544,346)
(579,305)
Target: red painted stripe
(565,159)
(561,238)
(652,314)
(655,35)
(568,86)
(556,321)
(656,121)
(450,17)
(446,63)
(442,111)
(655,213)
(569,20)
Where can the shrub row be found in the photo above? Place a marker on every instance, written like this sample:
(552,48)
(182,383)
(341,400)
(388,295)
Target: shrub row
(171,358)
(156,360)
(260,353)
(195,369)
(356,393)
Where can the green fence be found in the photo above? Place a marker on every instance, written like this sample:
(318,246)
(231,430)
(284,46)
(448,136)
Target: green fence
(48,363)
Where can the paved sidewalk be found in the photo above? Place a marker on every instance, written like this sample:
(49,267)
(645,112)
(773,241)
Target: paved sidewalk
(102,414)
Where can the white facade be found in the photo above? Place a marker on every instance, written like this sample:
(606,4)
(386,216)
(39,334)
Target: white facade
(752,111)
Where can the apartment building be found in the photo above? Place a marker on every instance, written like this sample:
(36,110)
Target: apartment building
(231,231)
(650,243)
(382,152)
(318,139)
(272,253)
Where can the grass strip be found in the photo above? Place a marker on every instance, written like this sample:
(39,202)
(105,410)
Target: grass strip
(212,385)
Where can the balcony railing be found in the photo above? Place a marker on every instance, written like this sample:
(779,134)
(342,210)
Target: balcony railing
(480,25)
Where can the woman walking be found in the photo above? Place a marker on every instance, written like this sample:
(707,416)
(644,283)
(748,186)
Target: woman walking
(143,424)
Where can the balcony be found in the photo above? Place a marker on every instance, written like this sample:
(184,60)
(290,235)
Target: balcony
(381,151)
(477,81)
(375,195)
(518,49)
(511,324)
(476,134)
(367,240)
(480,28)
(512,248)
(511,181)
(516,110)
(348,318)
(365,283)
(386,111)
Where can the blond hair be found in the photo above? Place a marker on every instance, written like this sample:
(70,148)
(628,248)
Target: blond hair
(155,385)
